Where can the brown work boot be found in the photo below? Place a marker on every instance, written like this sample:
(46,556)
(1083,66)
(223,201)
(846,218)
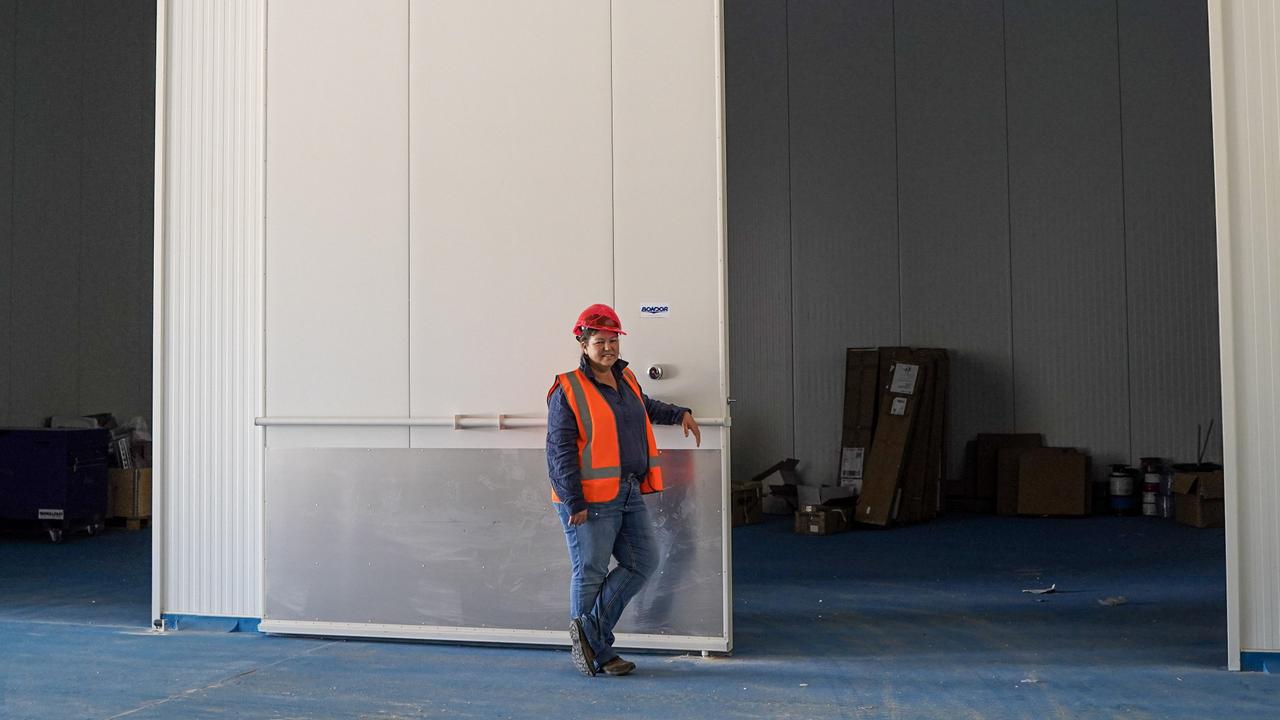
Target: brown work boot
(584,658)
(618,666)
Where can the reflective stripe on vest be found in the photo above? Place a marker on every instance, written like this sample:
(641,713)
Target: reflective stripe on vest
(599,455)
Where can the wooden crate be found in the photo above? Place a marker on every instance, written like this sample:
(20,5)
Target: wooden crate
(129,495)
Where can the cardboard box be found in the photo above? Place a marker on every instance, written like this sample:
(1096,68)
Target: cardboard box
(870,376)
(776,504)
(1053,481)
(861,393)
(960,489)
(913,506)
(1198,499)
(780,473)
(1007,463)
(881,484)
(129,493)
(821,520)
(940,369)
(141,453)
(778,486)
(988,452)
(821,494)
(746,506)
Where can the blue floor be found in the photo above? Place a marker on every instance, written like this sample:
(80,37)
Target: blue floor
(922,622)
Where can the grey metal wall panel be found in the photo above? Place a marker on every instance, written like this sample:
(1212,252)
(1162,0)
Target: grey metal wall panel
(8,50)
(759,233)
(141,288)
(953,204)
(843,208)
(76,146)
(455,538)
(116,104)
(46,209)
(1169,225)
(1071,377)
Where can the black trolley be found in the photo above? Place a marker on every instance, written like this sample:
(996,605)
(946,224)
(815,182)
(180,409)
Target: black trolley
(54,479)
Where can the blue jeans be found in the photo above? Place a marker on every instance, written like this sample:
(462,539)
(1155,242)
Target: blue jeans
(598,595)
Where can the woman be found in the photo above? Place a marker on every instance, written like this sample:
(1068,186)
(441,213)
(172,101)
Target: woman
(602,459)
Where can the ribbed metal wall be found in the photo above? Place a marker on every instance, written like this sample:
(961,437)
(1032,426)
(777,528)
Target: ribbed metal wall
(760,217)
(210,516)
(1245,42)
(844,246)
(75,208)
(1066,217)
(1025,182)
(953,203)
(1169,226)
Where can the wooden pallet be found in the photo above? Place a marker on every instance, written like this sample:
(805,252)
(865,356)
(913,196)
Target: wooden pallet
(128,523)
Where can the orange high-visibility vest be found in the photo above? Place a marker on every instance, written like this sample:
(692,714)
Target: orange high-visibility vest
(599,456)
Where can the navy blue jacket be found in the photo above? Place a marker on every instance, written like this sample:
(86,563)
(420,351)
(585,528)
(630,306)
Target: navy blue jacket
(633,444)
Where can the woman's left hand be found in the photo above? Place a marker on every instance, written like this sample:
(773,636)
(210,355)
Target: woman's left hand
(690,425)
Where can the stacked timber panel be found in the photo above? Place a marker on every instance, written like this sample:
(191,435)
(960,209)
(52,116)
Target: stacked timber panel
(908,392)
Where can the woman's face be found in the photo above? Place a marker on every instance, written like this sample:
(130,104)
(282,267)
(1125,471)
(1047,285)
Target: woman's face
(602,349)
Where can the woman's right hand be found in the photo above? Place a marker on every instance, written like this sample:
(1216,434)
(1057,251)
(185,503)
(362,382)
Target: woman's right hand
(578,518)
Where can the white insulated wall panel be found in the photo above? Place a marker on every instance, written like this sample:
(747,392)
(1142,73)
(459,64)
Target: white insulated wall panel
(1244,47)
(667,201)
(337,255)
(509,187)
(209,509)
(507,232)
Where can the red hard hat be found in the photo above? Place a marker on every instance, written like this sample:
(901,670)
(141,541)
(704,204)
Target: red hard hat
(598,317)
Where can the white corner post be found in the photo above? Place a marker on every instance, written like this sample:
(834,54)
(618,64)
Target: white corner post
(1243,45)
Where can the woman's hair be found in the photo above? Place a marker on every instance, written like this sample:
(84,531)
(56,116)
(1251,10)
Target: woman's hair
(587,334)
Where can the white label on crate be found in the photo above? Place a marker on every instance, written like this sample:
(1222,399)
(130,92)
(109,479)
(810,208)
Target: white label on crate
(851,463)
(50,514)
(904,378)
(899,407)
(813,528)
(655,310)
